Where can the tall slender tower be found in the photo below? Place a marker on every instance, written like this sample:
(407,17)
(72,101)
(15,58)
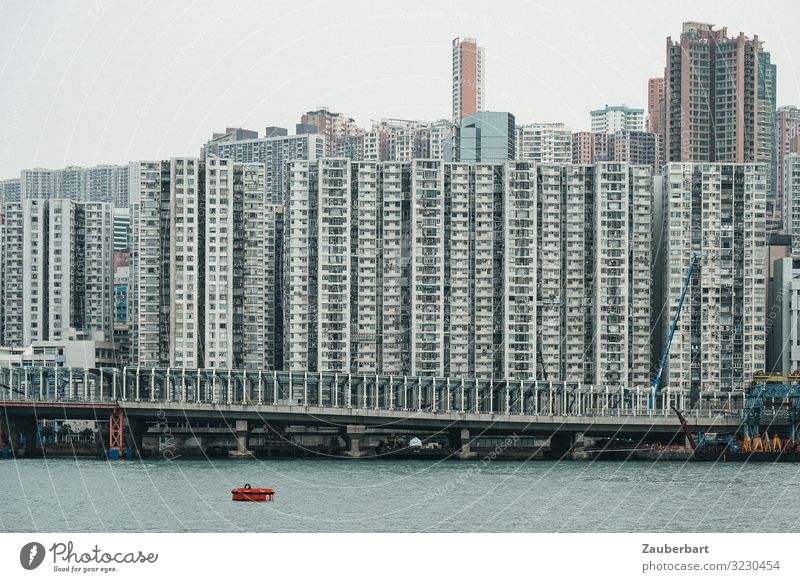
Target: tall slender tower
(467,78)
(719,99)
(655,95)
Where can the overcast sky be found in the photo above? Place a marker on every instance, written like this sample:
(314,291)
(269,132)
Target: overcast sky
(90,82)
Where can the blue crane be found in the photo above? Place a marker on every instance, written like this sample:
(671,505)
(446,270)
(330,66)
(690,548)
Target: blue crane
(673,327)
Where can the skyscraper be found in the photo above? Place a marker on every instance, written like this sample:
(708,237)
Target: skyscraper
(397,140)
(455,269)
(488,137)
(274,152)
(718,212)
(720,101)
(468,75)
(10,190)
(12,266)
(199,294)
(788,128)
(93,184)
(655,97)
(335,127)
(67,269)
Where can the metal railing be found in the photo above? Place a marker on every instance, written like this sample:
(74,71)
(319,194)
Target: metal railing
(350,391)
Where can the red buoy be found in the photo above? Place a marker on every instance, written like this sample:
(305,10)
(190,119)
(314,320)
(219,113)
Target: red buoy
(248,493)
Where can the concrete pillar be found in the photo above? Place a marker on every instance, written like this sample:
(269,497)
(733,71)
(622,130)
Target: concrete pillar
(577,441)
(353,435)
(31,431)
(460,443)
(22,436)
(20,433)
(242,431)
(134,430)
(561,444)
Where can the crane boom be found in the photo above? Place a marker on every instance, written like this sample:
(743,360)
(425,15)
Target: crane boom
(673,327)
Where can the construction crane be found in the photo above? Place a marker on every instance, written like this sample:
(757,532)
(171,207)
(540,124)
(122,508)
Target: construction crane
(673,327)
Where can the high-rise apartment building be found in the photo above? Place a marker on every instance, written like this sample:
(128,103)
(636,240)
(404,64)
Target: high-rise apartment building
(791,191)
(66,268)
(441,138)
(720,102)
(12,266)
(235,261)
(397,140)
(588,147)
(487,137)
(719,212)
(783,339)
(93,184)
(593,266)
(148,306)
(274,152)
(655,99)
(544,143)
(614,118)
(199,265)
(468,78)
(34,270)
(788,128)
(632,147)
(10,190)
(477,263)
(635,147)
(335,127)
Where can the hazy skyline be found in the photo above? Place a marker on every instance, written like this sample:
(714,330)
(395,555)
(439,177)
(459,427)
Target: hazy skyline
(90,82)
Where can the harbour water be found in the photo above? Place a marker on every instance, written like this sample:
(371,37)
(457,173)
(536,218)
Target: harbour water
(317,495)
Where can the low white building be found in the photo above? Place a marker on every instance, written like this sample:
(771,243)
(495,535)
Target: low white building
(75,351)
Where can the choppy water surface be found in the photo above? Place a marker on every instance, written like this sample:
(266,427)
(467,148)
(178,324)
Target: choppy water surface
(397,496)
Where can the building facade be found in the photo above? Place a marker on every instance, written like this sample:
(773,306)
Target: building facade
(614,118)
(655,99)
(720,102)
(12,267)
(481,268)
(10,190)
(788,129)
(334,127)
(468,75)
(717,211)
(487,137)
(274,152)
(544,143)
(103,183)
(199,293)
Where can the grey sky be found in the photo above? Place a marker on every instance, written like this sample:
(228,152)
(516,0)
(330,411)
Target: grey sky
(89,82)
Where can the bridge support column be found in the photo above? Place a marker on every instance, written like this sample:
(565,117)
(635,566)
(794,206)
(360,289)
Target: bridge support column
(353,435)
(30,430)
(577,450)
(460,442)
(115,435)
(242,432)
(566,445)
(134,430)
(5,443)
(21,437)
